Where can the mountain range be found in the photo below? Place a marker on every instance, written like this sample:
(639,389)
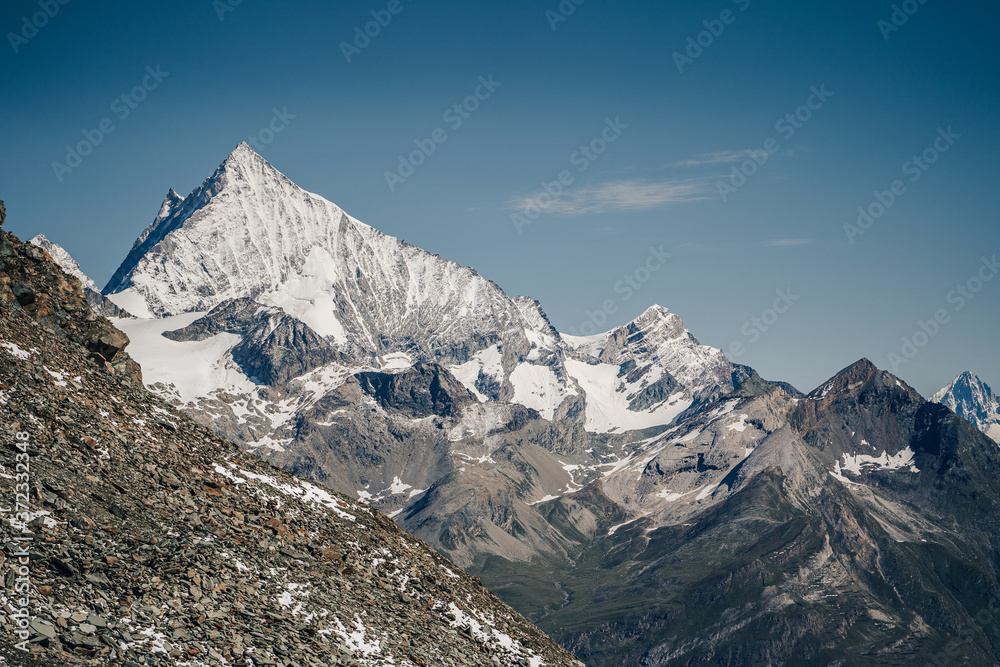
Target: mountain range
(641,498)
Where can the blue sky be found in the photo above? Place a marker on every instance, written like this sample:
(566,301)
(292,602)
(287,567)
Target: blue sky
(561,87)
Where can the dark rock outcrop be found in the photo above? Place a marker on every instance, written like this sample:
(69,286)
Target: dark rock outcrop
(420,391)
(31,283)
(276,347)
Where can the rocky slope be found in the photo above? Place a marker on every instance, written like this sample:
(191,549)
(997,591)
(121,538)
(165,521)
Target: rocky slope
(973,399)
(99,303)
(150,541)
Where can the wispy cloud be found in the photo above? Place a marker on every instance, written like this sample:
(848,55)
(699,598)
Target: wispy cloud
(788,243)
(719,157)
(632,195)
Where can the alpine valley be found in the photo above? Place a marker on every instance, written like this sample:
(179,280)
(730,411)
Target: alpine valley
(638,496)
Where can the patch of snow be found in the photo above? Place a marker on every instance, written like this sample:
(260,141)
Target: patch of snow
(608,409)
(739,426)
(195,368)
(17,351)
(614,529)
(862,462)
(538,387)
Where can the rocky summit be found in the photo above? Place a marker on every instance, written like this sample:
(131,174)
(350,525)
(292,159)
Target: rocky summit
(133,536)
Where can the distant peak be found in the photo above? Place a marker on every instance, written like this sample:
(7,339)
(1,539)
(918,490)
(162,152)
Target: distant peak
(864,365)
(657,309)
(40,240)
(848,380)
(657,318)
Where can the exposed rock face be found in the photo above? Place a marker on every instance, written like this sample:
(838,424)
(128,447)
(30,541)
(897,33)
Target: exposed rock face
(420,391)
(153,542)
(973,399)
(98,302)
(851,523)
(30,282)
(275,347)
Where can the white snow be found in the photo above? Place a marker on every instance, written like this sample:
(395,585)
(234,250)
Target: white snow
(608,410)
(398,487)
(195,368)
(739,426)
(489,361)
(591,346)
(538,387)
(310,295)
(16,351)
(707,491)
(856,463)
(64,260)
(397,361)
(614,529)
(132,301)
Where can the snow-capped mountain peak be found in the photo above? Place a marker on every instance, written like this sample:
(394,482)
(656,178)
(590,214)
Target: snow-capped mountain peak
(249,232)
(973,399)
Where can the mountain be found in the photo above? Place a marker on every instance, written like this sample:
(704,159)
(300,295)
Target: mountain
(248,232)
(973,399)
(384,371)
(146,539)
(101,304)
(856,526)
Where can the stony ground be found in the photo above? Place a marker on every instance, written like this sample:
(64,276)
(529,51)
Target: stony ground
(152,542)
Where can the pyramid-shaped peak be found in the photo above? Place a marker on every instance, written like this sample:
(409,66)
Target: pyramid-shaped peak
(852,379)
(863,365)
(243,153)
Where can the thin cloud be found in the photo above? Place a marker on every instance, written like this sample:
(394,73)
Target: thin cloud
(788,243)
(719,157)
(634,195)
